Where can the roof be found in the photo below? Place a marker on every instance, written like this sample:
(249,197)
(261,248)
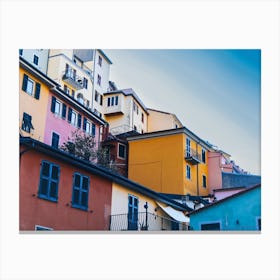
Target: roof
(129,92)
(171,132)
(100,171)
(225,199)
(105,56)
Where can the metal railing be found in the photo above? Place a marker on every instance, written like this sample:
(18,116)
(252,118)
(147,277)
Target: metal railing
(144,222)
(71,76)
(192,154)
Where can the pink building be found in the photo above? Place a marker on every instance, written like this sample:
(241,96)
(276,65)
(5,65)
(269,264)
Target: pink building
(218,162)
(223,193)
(65,115)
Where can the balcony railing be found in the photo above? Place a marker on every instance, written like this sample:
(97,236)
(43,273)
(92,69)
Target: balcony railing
(144,222)
(73,79)
(192,156)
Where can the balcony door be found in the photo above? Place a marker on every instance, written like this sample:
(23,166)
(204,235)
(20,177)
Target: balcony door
(132,217)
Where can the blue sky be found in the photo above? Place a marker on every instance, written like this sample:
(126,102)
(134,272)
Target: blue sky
(215,93)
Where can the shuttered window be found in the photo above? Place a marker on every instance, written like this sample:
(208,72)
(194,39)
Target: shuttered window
(80,191)
(49,179)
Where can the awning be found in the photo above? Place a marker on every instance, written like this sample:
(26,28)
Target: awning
(174,214)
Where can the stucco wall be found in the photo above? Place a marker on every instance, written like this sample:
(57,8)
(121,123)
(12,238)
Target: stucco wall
(37,108)
(237,213)
(60,215)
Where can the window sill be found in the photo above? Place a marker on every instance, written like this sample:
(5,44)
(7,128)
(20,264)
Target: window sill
(79,207)
(55,200)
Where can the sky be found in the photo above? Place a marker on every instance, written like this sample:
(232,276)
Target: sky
(215,93)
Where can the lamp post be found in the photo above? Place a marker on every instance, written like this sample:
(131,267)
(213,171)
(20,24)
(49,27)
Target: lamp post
(146,207)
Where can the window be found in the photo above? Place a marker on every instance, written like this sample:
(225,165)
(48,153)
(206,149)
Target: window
(112,101)
(99,60)
(134,106)
(66,89)
(73,118)
(188,172)
(87,103)
(85,83)
(80,98)
(93,129)
(96,96)
(28,87)
(99,80)
(116,100)
(121,151)
(203,155)
(108,102)
(210,226)
(132,213)
(57,108)
(86,126)
(80,191)
(27,123)
(73,93)
(35,59)
(204,185)
(188,147)
(20,51)
(259,220)
(49,179)
(101,100)
(142,117)
(55,140)
(135,128)
(37,227)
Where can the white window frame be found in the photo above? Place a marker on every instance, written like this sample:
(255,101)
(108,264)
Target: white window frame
(88,127)
(28,89)
(74,118)
(58,108)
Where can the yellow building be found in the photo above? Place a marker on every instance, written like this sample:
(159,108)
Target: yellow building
(124,111)
(159,120)
(171,161)
(34,87)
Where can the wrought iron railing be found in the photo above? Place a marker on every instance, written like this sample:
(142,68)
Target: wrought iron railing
(143,222)
(192,154)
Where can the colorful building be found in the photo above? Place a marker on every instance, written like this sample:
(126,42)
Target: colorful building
(159,120)
(61,192)
(171,161)
(34,91)
(240,211)
(49,114)
(82,74)
(124,111)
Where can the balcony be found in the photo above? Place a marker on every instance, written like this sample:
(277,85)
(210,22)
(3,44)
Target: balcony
(193,157)
(144,222)
(72,79)
(115,109)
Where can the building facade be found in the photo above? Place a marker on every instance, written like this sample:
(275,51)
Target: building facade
(240,211)
(124,111)
(171,161)
(36,57)
(159,120)
(60,192)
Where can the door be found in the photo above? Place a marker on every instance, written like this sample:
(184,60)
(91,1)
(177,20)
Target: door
(132,216)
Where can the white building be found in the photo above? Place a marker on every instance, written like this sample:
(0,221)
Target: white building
(124,111)
(36,57)
(82,73)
